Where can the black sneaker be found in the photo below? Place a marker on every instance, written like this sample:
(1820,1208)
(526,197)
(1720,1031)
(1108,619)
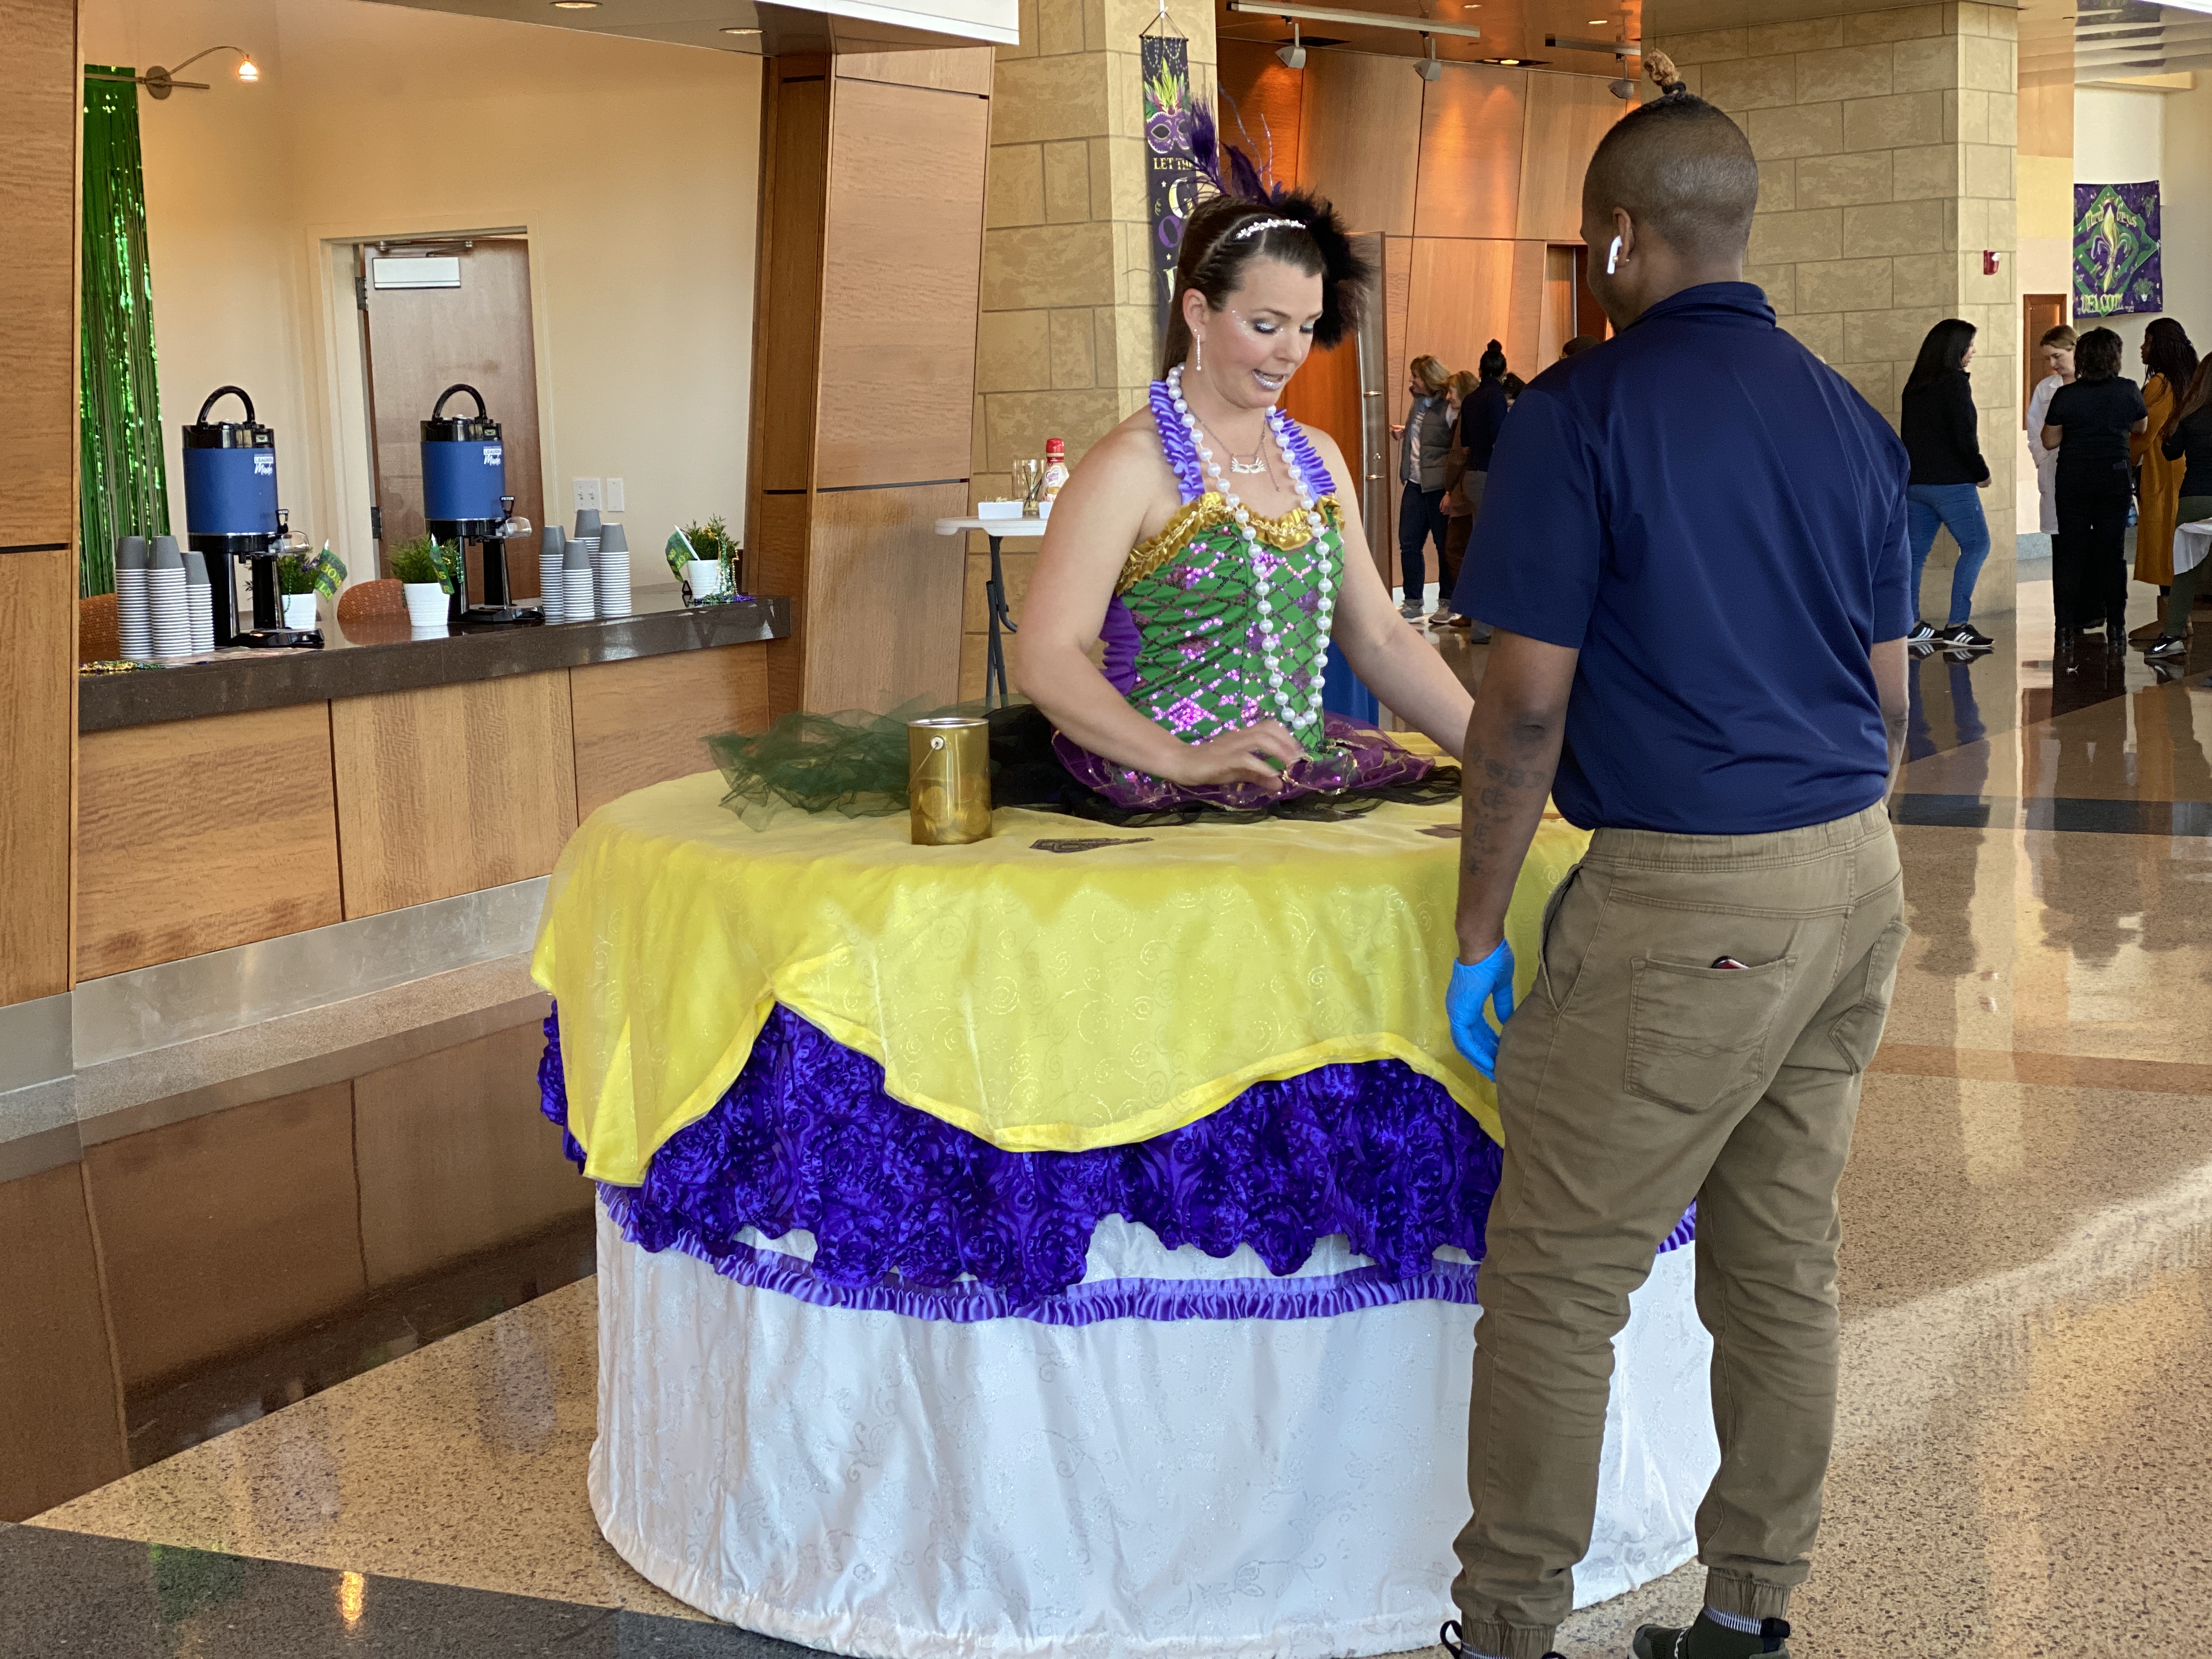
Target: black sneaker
(1921,630)
(1962,634)
(1449,1640)
(1706,1640)
(2165,649)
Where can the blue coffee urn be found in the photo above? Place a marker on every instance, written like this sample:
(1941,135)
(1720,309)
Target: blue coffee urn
(231,513)
(464,470)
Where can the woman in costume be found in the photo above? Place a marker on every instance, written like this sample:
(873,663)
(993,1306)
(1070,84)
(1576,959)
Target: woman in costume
(1203,542)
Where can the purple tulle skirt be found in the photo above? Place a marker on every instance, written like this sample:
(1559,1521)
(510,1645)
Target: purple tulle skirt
(1360,759)
(911,1214)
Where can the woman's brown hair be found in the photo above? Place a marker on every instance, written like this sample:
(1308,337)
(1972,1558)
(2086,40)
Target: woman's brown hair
(2198,394)
(2063,335)
(1224,236)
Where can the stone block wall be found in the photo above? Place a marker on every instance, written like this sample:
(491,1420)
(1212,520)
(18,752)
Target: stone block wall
(1886,148)
(1066,340)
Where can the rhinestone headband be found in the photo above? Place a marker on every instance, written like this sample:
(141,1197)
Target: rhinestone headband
(1259,225)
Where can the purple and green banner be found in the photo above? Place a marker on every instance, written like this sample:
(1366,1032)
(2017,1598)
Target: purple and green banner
(1170,172)
(2116,250)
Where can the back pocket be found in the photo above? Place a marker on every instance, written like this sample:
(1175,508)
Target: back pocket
(1697,1035)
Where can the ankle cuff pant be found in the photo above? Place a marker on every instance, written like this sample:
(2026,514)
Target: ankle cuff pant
(1636,1078)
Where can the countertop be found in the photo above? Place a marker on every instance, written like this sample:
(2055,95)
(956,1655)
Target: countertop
(387,654)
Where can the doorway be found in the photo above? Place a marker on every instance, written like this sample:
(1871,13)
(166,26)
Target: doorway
(434,311)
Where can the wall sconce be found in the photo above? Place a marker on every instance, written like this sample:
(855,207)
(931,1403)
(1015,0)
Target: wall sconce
(1428,68)
(160,82)
(1294,55)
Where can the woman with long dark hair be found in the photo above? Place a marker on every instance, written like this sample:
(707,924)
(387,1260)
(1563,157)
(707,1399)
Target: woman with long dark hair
(1943,436)
(2171,361)
(2089,423)
(2185,440)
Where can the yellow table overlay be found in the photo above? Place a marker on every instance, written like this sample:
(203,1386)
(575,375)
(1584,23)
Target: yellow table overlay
(1043,1001)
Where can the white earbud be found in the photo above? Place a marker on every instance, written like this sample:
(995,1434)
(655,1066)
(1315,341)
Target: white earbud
(1613,258)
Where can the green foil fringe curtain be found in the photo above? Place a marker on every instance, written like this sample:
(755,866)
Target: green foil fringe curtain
(123,489)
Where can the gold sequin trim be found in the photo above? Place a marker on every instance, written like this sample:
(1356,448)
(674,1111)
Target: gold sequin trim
(1207,513)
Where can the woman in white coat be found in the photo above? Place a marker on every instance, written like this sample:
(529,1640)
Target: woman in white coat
(2056,350)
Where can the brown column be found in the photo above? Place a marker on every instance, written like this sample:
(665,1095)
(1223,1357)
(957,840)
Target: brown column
(39,128)
(871,247)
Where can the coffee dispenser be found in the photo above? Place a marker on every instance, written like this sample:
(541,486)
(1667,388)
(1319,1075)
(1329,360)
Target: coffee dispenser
(231,513)
(464,500)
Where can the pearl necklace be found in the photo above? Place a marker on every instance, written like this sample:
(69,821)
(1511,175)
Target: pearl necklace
(1298,706)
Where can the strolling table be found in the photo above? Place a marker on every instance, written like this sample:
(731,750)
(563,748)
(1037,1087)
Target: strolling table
(1064,1244)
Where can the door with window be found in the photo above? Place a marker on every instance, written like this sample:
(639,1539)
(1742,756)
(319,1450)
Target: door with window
(434,313)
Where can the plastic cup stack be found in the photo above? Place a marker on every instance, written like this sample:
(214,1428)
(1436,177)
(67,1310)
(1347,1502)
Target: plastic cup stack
(552,577)
(167,603)
(586,531)
(576,602)
(610,572)
(199,601)
(133,624)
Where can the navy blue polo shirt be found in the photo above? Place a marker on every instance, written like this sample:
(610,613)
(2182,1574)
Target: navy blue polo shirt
(1715,520)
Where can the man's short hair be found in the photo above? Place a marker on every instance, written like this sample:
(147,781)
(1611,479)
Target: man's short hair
(1682,169)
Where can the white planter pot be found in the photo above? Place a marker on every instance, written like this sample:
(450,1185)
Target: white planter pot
(300,612)
(704,576)
(426,604)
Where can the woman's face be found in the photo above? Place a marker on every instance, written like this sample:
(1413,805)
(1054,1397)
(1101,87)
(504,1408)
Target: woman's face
(1967,356)
(2059,360)
(1263,332)
(2143,350)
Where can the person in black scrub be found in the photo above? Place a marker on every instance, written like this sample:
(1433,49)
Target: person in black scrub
(2088,424)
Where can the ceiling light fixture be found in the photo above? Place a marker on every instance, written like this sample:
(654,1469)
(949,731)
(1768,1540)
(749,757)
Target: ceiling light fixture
(741,31)
(1429,69)
(1513,62)
(1364,19)
(160,82)
(575,5)
(1294,55)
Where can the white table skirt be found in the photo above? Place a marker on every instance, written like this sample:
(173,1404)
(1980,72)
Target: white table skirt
(875,1484)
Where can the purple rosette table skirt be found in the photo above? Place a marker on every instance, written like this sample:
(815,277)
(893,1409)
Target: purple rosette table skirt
(871,1384)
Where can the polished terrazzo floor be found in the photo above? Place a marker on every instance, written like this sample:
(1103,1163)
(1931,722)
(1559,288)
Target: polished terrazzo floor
(2022,1465)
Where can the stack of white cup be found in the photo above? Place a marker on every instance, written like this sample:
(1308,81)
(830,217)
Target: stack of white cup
(551,579)
(610,572)
(167,603)
(576,598)
(133,624)
(199,601)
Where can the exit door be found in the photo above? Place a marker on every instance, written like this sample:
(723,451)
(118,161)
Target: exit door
(433,313)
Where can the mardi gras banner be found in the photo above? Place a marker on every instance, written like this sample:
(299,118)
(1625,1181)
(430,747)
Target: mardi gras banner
(2115,256)
(1170,175)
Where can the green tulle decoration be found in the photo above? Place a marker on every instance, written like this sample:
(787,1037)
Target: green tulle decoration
(853,762)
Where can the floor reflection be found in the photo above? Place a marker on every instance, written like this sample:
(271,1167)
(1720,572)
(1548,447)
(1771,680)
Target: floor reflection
(179,1282)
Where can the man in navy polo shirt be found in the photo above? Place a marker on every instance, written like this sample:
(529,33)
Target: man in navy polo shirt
(1692,548)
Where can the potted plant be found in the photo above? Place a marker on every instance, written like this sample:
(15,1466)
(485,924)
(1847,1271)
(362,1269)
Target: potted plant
(302,577)
(705,559)
(421,569)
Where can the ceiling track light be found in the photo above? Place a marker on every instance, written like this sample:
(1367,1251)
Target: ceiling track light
(1429,69)
(1294,55)
(160,82)
(1369,19)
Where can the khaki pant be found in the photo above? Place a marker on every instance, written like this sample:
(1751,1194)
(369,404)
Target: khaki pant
(1636,1078)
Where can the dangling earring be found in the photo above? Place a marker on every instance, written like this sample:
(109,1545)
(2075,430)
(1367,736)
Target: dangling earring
(1200,341)
(1613,258)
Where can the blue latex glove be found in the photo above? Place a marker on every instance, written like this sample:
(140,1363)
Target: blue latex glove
(1488,981)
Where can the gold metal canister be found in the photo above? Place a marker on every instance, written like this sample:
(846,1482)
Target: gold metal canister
(948,767)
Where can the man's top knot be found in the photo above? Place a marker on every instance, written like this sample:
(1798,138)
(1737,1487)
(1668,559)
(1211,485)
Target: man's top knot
(1664,76)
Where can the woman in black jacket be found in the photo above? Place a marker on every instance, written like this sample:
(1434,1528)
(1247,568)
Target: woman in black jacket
(2089,423)
(1942,436)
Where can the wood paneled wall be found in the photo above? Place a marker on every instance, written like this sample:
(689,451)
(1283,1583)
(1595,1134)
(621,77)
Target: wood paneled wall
(38,129)
(198,836)
(863,396)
